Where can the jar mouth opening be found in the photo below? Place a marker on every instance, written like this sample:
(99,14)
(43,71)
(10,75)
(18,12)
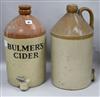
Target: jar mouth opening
(72,8)
(24,7)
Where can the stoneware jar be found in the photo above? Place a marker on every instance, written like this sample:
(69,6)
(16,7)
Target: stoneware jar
(24,40)
(72,50)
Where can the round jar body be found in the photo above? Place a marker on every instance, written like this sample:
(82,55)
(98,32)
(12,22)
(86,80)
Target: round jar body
(71,63)
(24,39)
(25,61)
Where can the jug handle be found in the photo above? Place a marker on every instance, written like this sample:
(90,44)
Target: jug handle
(90,13)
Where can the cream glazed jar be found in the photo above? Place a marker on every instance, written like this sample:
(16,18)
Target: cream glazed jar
(72,50)
(24,39)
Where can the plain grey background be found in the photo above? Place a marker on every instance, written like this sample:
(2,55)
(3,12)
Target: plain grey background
(48,13)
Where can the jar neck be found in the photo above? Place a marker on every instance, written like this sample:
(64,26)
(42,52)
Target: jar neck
(73,12)
(24,12)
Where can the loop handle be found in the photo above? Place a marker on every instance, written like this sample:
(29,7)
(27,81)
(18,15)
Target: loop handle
(90,13)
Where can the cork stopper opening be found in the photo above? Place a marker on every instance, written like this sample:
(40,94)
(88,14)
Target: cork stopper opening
(24,9)
(72,8)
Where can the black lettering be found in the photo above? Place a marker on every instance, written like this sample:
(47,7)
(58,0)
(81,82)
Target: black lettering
(18,48)
(35,55)
(41,45)
(15,55)
(9,46)
(13,47)
(25,48)
(30,55)
(24,55)
(32,48)
(37,47)
(25,51)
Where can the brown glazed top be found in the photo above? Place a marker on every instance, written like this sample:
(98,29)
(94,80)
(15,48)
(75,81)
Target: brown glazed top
(19,29)
(72,25)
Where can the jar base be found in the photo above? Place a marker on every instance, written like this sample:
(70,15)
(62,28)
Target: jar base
(33,86)
(72,89)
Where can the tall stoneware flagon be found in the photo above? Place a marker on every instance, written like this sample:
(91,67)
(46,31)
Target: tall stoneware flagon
(24,40)
(72,50)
